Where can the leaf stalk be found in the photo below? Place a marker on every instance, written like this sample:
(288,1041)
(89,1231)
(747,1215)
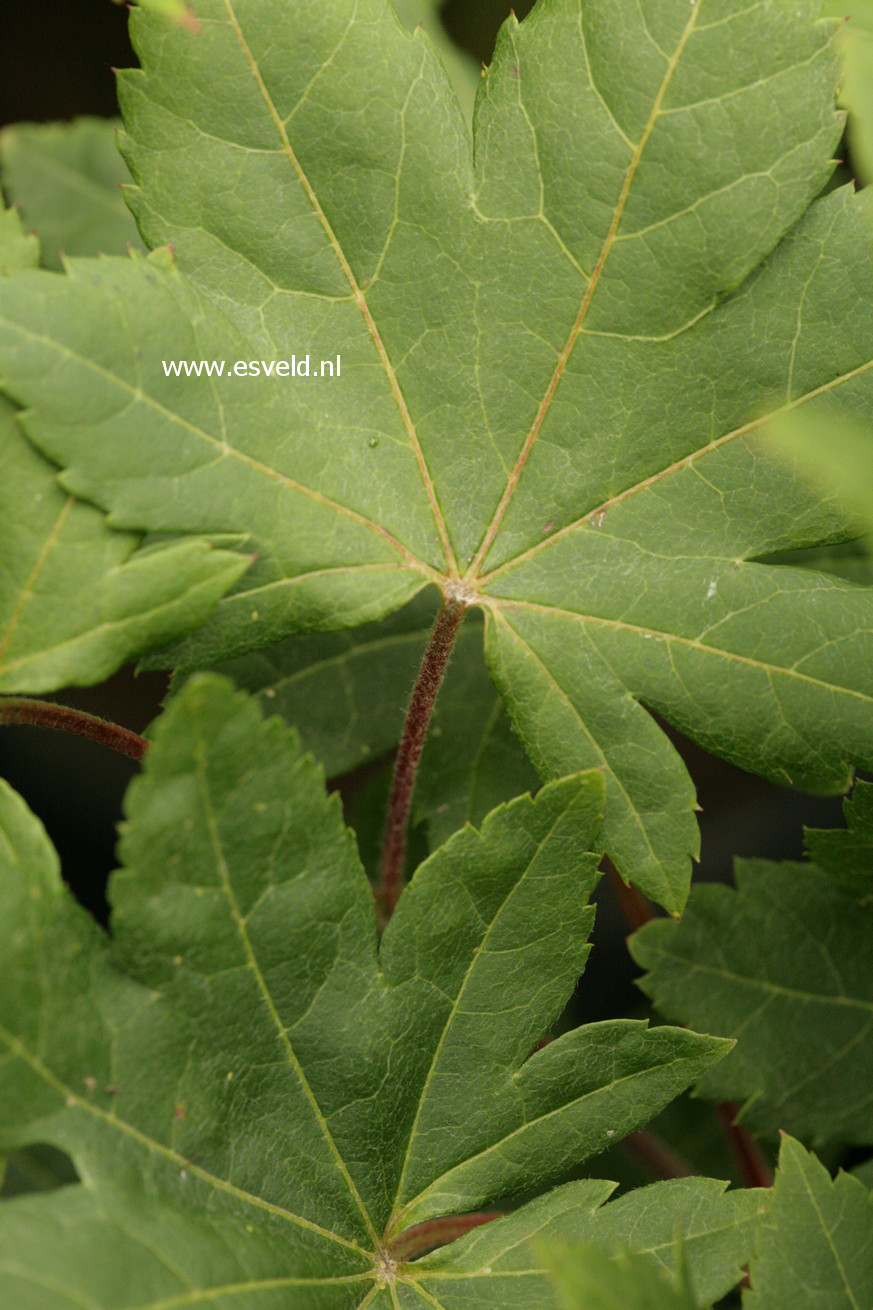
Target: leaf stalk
(424,693)
(438,1232)
(62,718)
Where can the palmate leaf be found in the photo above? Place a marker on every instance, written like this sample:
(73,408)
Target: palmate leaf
(75,600)
(782,964)
(65,180)
(814,1249)
(255,1103)
(556,356)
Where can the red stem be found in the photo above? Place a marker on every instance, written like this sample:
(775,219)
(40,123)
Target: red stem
(45,714)
(754,1170)
(438,1232)
(421,703)
(655,1155)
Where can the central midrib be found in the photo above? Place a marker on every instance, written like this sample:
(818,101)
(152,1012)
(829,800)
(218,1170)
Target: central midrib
(455,1007)
(576,330)
(357,293)
(251,959)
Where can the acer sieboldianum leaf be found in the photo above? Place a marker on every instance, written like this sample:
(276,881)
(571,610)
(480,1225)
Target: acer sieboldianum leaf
(65,180)
(813,1248)
(345,694)
(75,600)
(556,355)
(783,964)
(244,1088)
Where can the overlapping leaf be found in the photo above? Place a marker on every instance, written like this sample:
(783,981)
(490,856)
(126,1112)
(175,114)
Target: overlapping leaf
(253,1101)
(783,965)
(814,1249)
(65,180)
(556,355)
(75,601)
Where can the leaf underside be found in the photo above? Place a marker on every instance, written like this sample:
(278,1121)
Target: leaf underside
(556,358)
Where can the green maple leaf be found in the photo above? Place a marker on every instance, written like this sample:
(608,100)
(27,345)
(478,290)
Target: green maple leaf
(783,964)
(557,352)
(75,600)
(65,180)
(813,1250)
(255,1103)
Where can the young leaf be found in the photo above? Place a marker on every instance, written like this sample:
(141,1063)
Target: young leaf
(245,1091)
(65,179)
(782,964)
(586,1278)
(813,1250)
(556,356)
(690,1222)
